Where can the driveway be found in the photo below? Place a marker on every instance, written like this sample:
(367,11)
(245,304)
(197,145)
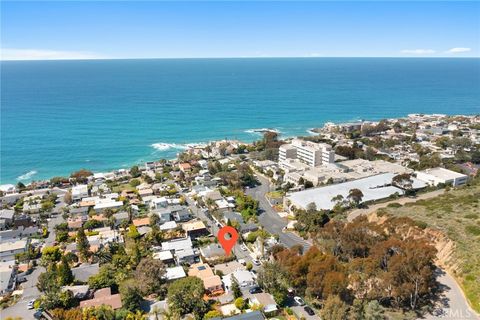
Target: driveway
(269,218)
(452,303)
(298,310)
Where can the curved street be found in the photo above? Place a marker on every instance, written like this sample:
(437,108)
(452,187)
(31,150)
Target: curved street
(270,220)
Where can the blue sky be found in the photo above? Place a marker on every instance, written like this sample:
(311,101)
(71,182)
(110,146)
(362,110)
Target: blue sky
(109,29)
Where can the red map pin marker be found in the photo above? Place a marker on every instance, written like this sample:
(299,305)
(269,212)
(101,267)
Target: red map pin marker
(227,244)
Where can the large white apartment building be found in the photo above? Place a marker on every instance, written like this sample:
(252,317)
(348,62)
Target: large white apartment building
(311,153)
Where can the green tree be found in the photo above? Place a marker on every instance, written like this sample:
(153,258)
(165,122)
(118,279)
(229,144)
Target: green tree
(51,255)
(133,232)
(83,246)
(131,296)
(47,206)
(334,309)
(48,281)
(135,172)
(92,224)
(21,186)
(135,182)
(237,293)
(374,311)
(106,277)
(240,303)
(213,314)
(65,275)
(355,196)
(150,275)
(186,295)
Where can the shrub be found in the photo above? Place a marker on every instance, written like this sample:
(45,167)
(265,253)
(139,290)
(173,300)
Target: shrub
(394,205)
(474,230)
(421,224)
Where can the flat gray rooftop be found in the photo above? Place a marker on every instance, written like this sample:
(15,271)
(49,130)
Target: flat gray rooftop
(373,188)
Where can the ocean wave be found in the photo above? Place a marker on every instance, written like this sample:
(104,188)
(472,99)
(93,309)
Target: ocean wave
(27,175)
(162,146)
(261,131)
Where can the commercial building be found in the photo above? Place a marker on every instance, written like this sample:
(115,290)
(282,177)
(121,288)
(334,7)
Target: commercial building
(439,175)
(311,153)
(373,188)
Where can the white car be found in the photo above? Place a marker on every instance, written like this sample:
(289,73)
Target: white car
(299,301)
(243,247)
(256,262)
(30,305)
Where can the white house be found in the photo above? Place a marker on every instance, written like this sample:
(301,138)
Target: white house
(244,278)
(9,249)
(79,191)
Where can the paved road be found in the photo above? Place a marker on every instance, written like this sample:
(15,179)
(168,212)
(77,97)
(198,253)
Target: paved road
(30,291)
(452,303)
(270,219)
(363,211)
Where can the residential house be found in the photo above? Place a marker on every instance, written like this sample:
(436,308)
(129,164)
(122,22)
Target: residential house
(182,216)
(103,297)
(254,315)
(121,217)
(185,167)
(7,276)
(18,233)
(141,222)
(211,282)
(182,249)
(212,252)
(244,278)
(6,215)
(168,226)
(85,271)
(79,291)
(266,300)
(165,256)
(174,273)
(195,229)
(79,191)
(8,249)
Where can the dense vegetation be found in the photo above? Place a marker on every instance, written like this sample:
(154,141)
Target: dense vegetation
(357,263)
(456,214)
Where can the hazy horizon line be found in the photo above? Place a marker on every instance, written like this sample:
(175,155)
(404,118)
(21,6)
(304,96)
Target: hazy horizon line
(252,57)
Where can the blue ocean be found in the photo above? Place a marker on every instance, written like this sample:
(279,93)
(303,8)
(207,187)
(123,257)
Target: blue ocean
(59,116)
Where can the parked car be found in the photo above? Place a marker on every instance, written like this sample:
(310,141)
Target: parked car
(255,289)
(309,310)
(243,247)
(30,305)
(21,279)
(256,262)
(299,301)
